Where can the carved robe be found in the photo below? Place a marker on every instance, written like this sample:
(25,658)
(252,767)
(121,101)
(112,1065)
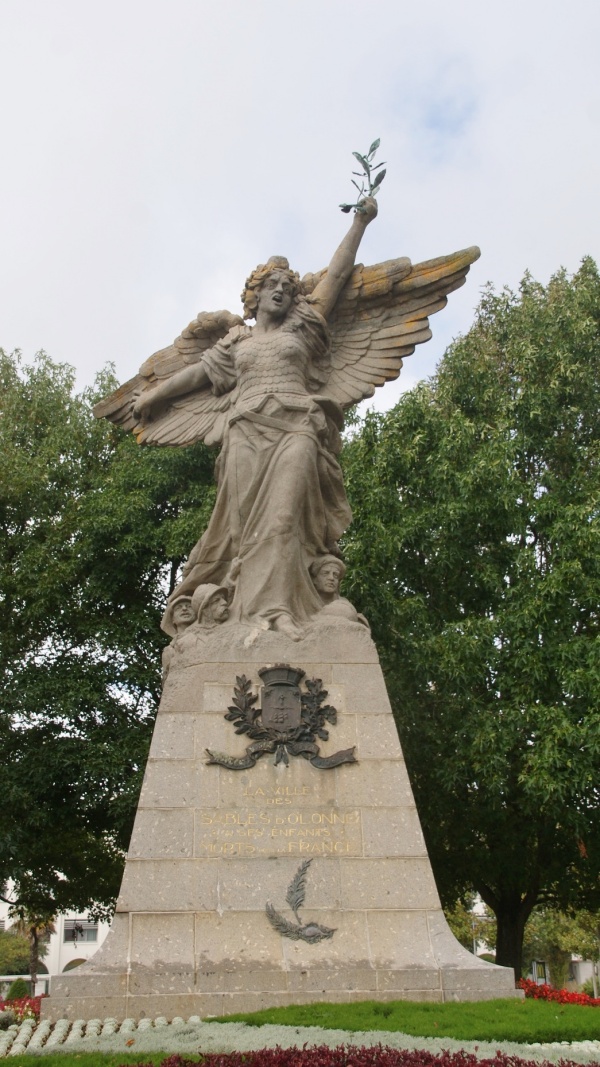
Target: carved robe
(280,500)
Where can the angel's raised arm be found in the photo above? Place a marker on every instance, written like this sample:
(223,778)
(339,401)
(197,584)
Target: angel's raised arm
(325,294)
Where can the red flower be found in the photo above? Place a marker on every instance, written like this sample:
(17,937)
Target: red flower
(558,996)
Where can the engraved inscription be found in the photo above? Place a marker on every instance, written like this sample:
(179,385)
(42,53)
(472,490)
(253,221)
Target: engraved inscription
(246,832)
(278,794)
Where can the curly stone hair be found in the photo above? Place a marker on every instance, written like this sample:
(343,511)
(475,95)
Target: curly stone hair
(255,281)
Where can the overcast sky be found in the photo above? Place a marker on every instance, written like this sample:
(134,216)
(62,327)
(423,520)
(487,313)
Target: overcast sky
(154,151)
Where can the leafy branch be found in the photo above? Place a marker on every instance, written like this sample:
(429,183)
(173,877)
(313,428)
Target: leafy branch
(369,180)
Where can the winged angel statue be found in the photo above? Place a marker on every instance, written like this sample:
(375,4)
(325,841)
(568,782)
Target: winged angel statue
(272,395)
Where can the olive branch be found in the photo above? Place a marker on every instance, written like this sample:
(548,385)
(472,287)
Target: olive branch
(371,188)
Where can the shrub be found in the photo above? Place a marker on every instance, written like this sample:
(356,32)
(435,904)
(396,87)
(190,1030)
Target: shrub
(17,989)
(7,1018)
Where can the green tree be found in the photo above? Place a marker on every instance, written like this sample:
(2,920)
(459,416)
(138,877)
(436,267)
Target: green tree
(471,927)
(555,936)
(475,553)
(14,952)
(36,928)
(92,531)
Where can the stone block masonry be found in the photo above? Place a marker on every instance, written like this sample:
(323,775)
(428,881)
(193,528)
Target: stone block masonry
(208,921)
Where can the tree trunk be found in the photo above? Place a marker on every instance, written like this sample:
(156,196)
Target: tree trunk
(511,918)
(173,573)
(34,958)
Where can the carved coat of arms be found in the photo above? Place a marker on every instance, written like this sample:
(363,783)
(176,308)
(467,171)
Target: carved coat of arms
(287,722)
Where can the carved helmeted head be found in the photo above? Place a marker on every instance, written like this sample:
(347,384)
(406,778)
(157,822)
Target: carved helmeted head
(210,604)
(327,573)
(275,274)
(178,615)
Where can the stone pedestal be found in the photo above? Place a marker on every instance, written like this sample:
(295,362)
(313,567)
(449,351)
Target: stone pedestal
(212,846)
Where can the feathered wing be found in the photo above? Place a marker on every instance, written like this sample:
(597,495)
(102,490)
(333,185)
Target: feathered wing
(381,315)
(184,420)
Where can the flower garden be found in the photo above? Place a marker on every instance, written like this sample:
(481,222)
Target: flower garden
(548,1026)
(557,996)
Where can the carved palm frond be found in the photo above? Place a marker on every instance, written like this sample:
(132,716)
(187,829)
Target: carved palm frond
(297,888)
(287,929)
(311,933)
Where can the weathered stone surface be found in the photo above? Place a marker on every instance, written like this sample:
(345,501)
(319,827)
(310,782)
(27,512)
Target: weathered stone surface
(169,885)
(158,834)
(174,736)
(392,832)
(212,846)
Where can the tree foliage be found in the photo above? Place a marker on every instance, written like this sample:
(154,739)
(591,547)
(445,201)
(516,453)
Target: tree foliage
(475,554)
(14,953)
(37,929)
(92,531)
(472,928)
(555,936)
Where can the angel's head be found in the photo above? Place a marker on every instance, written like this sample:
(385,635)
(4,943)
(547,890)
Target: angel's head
(273,282)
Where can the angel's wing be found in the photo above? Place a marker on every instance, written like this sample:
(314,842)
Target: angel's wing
(381,315)
(194,417)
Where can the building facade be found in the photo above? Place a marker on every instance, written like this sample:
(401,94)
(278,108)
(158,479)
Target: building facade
(74,941)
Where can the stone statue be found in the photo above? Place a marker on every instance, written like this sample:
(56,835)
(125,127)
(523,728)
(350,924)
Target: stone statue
(245,710)
(210,607)
(178,616)
(327,573)
(272,396)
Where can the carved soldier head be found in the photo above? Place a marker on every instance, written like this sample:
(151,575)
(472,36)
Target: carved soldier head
(210,604)
(178,616)
(327,573)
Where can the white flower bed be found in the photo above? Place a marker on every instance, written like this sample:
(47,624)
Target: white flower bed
(194,1037)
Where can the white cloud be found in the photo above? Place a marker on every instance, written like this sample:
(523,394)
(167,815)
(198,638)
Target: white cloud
(156,151)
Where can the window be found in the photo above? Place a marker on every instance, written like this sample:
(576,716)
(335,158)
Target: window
(2,924)
(70,966)
(78,930)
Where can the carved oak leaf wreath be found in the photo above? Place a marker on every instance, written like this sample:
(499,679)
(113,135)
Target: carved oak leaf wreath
(287,732)
(298,931)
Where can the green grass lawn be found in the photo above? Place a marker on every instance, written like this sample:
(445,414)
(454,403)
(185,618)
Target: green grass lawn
(488,1020)
(522,1021)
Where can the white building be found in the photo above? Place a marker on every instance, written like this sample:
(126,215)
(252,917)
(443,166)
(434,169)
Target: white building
(74,942)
